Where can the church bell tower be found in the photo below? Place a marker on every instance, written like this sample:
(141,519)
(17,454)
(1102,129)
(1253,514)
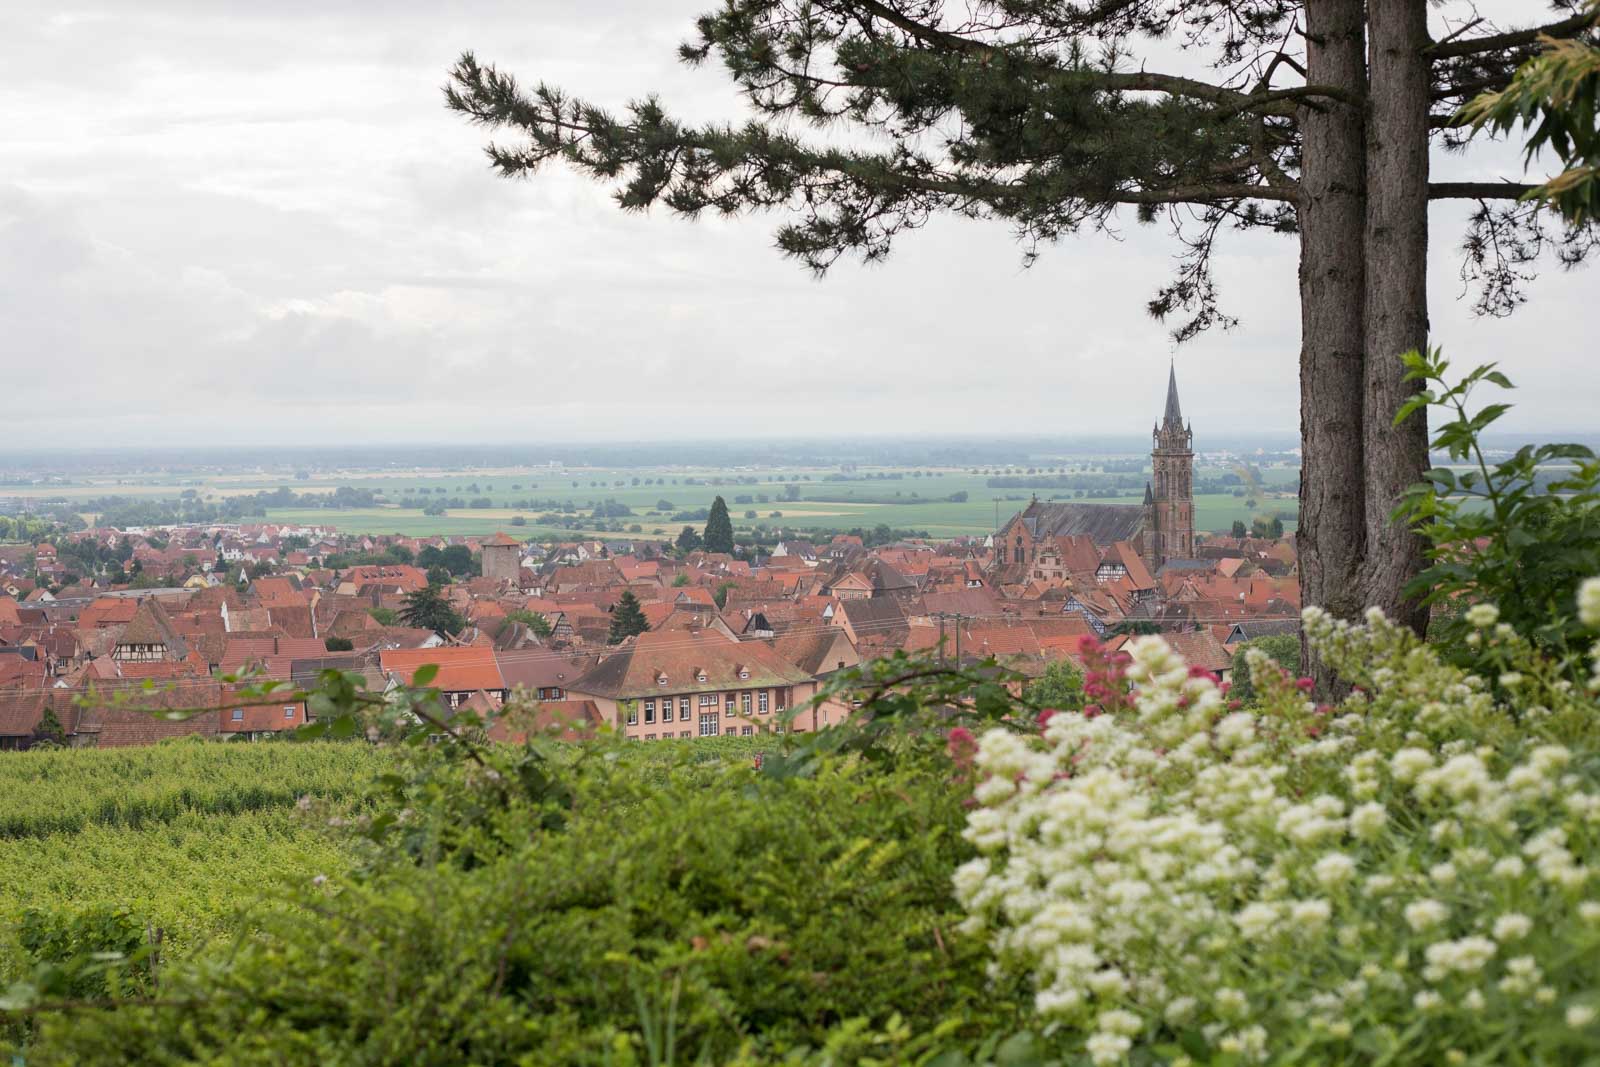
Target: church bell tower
(1169,501)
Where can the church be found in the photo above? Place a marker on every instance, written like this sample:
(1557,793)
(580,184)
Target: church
(1162,528)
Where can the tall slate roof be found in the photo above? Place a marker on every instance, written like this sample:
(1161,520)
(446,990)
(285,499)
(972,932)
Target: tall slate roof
(1104,524)
(151,625)
(1174,415)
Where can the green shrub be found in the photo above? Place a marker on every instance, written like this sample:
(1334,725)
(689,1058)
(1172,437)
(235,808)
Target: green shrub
(1518,535)
(1282,649)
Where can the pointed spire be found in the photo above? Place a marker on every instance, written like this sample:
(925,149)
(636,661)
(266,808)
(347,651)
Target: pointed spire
(1149,498)
(1174,416)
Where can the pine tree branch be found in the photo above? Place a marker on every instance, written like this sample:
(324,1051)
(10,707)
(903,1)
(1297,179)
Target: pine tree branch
(1207,193)
(1122,81)
(1472,46)
(1479,190)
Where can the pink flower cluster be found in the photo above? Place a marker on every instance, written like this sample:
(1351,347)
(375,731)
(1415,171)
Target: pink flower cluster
(1105,677)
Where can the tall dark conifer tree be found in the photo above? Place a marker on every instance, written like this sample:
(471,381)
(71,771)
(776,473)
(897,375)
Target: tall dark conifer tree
(1042,114)
(627,619)
(719,528)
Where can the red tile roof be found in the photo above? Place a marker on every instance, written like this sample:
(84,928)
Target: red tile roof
(570,720)
(461,670)
(674,662)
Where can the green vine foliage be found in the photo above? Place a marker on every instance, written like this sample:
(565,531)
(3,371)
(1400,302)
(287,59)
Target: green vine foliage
(678,910)
(1519,534)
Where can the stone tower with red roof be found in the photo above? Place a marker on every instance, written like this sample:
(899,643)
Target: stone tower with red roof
(502,558)
(1169,496)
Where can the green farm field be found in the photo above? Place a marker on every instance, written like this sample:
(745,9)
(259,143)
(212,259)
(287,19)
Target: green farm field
(902,498)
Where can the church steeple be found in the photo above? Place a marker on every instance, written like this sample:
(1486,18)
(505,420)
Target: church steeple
(1169,508)
(1174,415)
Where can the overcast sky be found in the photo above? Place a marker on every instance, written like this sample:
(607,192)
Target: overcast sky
(256,222)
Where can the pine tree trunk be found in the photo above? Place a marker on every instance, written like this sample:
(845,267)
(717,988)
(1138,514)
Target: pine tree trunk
(1332,214)
(1396,245)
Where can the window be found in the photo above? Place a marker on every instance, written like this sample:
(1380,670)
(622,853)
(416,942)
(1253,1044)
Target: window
(683,708)
(649,712)
(288,713)
(730,705)
(708,700)
(238,715)
(761,701)
(777,729)
(748,730)
(685,734)
(746,703)
(633,715)
(708,725)
(649,737)
(743,673)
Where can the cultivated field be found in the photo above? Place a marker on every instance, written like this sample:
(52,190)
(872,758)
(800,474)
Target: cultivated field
(902,498)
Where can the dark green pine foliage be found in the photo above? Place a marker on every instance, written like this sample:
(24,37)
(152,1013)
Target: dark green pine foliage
(719,528)
(627,619)
(427,609)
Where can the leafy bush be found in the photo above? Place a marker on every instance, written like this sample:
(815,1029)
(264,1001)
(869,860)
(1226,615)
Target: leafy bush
(1502,534)
(1282,649)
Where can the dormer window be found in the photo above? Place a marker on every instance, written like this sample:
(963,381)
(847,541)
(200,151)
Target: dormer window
(700,677)
(661,679)
(744,673)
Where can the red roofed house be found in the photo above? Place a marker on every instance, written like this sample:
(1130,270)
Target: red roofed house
(462,671)
(682,683)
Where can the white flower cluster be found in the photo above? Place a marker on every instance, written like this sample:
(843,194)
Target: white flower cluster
(1255,876)
(1589,615)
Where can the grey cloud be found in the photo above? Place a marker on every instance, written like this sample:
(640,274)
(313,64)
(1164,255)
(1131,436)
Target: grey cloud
(249,219)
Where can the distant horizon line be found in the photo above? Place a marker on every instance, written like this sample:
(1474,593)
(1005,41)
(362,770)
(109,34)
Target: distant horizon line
(730,441)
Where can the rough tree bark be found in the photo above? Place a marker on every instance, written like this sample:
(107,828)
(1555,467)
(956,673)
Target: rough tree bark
(1332,215)
(1396,302)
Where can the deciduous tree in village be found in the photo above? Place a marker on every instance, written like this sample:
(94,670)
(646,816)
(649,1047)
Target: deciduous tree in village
(688,540)
(1053,115)
(427,609)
